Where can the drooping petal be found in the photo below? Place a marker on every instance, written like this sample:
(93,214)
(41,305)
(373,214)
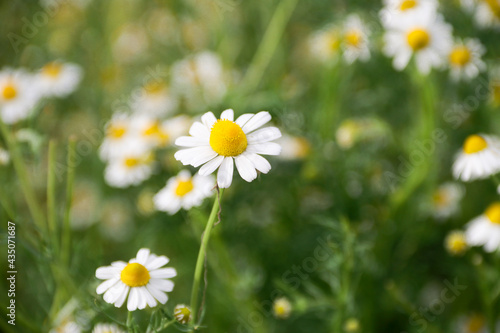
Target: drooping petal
(211,166)
(259,162)
(225,173)
(245,168)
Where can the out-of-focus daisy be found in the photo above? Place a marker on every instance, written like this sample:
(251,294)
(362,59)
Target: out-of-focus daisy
(325,44)
(59,79)
(282,308)
(351,325)
(484,230)
(4,156)
(395,11)
(294,147)
(18,95)
(486,12)
(473,323)
(446,200)
(355,40)
(131,43)
(479,158)
(182,313)
(154,99)
(200,76)
(425,37)
(107,328)
(67,327)
(173,128)
(221,143)
(183,191)
(130,169)
(455,243)
(141,279)
(117,131)
(465,59)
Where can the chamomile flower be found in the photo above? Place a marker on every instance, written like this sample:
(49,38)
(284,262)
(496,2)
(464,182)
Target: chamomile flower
(107,328)
(154,99)
(182,313)
(355,40)
(59,79)
(455,243)
(117,132)
(183,191)
(221,143)
(282,308)
(293,147)
(465,59)
(395,11)
(142,280)
(479,158)
(67,327)
(427,38)
(325,44)
(130,169)
(18,95)
(4,157)
(173,128)
(446,200)
(484,230)
(486,12)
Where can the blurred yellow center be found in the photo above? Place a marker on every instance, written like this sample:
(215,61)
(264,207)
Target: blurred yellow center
(135,275)
(153,129)
(456,244)
(131,162)
(333,41)
(182,314)
(407,4)
(227,138)
(474,143)
(52,69)
(495,92)
(116,132)
(494,7)
(9,91)
(475,324)
(460,56)
(418,39)
(439,198)
(184,187)
(493,213)
(154,87)
(353,38)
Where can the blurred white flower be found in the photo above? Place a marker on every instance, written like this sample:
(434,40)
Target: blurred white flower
(355,40)
(131,43)
(486,12)
(183,191)
(219,143)
(293,147)
(446,200)
(107,328)
(484,230)
(141,279)
(130,169)
(282,308)
(67,327)
(154,99)
(465,59)
(396,11)
(479,158)
(4,156)
(455,243)
(325,44)
(117,131)
(18,95)
(58,79)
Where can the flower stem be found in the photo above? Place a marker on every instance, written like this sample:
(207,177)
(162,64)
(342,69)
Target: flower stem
(51,198)
(201,255)
(130,320)
(66,232)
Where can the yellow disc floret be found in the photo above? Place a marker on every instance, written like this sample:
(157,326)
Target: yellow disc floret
(493,213)
(131,162)
(227,138)
(407,4)
(418,39)
(460,56)
(116,131)
(9,92)
(455,243)
(184,187)
(353,38)
(474,143)
(52,69)
(135,275)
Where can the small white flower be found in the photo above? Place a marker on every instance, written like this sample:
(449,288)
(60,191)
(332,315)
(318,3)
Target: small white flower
(293,148)
(4,156)
(107,328)
(173,128)
(67,327)
(427,38)
(59,79)
(484,230)
(154,99)
(141,279)
(182,313)
(282,308)
(479,158)
(455,243)
(465,59)
(117,132)
(325,44)
(446,200)
(486,12)
(18,95)
(396,11)
(355,40)
(130,169)
(183,191)
(221,143)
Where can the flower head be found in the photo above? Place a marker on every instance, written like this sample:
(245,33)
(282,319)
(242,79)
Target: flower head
(182,313)
(465,59)
(446,199)
(485,229)
(59,79)
(455,243)
(142,280)
(221,143)
(355,40)
(282,308)
(18,95)
(107,328)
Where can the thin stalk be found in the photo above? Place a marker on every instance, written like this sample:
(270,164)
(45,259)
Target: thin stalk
(70,177)
(130,321)
(51,198)
(201,255)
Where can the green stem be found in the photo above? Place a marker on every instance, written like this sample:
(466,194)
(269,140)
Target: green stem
(70,176)
(51,198)
(130,322)
(201,255)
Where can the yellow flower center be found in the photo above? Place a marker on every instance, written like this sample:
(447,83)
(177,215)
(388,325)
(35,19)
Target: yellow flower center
(494,7)
(475,324)
(495,92)
(184,187)
(460,56)
(52,69)
(182,313)
(418,39)
(131,162)
(353,38)
(153,129)
(333,41)
(227,138)
(407,4)
(455,243)
(440,199)
(493,213)
(474,143)
(116,131)
(135,275)
(9,91)
(155,87)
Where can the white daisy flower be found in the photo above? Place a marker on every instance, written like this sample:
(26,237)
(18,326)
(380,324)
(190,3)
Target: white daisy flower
(59,79)
(141,279)
(325,44)
(455,243)
(221,143)
(395,11)
(486,12)
(484,230)
(18,95)
(154,99)
(355,40)
(426,37)
(200,76)
(479,158)
(117,130)
(173,128)
(67,327)
(107,328)
(293,147)
(446,200)
(4,156)
(282,308)
(465,59)
(130,169)
(183,191)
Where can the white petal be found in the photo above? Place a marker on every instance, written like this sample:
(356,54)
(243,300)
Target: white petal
(141,303)
(264,135)
(123,296)
(163,285)
(191,141)
(114,293)
(156,263)
(225,174)
(195,156)
(208,119)
(211,166)
(268,148)
(106,285)
(150,300)
(107,272)
(199,130)
(227,114)
(157,294)
(245,168)
(142,256)
(133,299)
(242,120)
(259,162)
(256,121)
(163,273)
